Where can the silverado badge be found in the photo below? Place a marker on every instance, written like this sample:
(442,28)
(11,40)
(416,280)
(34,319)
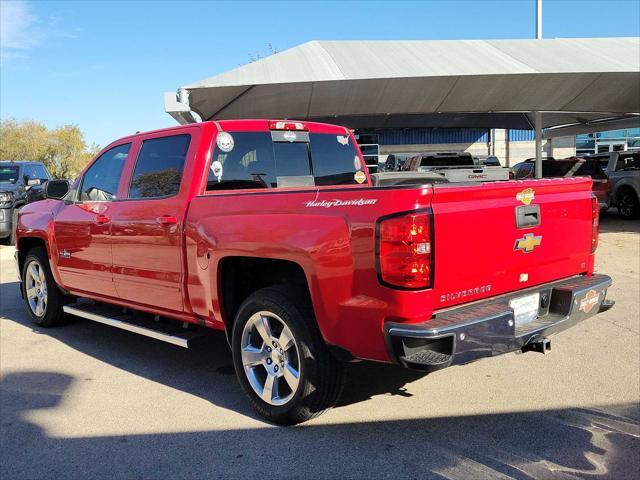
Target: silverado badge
(589,301)
(526,196)
(528,243)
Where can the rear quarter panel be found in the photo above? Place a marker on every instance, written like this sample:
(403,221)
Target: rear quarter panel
(331,239)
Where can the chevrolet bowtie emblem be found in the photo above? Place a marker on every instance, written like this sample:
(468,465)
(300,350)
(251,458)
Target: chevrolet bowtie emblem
(528,243)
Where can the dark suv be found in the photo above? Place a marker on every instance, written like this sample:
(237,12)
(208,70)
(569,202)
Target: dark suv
(20,183)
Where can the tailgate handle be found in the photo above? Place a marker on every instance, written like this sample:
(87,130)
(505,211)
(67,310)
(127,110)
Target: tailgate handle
(527,216)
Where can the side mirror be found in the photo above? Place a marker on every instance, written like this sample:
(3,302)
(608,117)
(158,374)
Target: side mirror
(33,182)
(56,189)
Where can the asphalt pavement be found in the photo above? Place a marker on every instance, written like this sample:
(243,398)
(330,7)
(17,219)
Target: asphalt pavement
(90,401)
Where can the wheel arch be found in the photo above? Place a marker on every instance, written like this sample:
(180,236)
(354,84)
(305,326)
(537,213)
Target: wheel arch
(623,186)
(240,276)
(25,244)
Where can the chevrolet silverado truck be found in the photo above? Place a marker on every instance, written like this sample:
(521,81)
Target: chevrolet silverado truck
(275,233)
(456,167)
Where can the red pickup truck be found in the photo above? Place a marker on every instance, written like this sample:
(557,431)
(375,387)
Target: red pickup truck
(274,232)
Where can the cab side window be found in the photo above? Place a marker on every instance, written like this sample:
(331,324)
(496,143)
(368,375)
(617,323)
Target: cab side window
(100,182)
(35,171)
(158,171)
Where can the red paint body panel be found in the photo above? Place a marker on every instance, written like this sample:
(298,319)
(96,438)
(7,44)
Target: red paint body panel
(171,267)
(476,233)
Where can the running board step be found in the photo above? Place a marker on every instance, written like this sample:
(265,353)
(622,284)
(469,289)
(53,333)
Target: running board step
(140,323)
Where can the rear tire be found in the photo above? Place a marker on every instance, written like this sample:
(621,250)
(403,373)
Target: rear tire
(628,204)
(42,297)
(285,355)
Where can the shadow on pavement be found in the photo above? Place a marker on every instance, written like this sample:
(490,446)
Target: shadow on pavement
(610,222)
(565,443)
(206,370)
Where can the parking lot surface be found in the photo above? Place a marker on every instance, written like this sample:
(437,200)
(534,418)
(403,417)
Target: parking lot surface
(89,401)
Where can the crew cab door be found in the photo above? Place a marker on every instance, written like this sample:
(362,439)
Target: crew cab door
(146,227)
(82,228)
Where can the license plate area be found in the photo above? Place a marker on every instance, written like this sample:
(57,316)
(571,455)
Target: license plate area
(525,308)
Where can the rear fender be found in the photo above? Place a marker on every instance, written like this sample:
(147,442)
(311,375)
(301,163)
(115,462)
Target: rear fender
(320,245)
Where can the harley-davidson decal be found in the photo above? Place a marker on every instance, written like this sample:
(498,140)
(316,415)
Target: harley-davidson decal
(526,196)
(589,301)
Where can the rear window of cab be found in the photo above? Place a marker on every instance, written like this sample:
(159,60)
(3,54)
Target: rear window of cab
(283,159)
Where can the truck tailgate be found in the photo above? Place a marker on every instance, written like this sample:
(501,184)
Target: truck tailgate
(480,251)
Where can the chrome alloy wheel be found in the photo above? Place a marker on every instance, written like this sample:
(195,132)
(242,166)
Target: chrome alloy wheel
(36,288)
(271,358)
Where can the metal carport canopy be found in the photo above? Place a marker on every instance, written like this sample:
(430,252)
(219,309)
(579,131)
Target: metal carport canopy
(579,84)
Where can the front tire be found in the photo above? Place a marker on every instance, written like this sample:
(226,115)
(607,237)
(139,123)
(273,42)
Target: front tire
(43,299)
(280,358)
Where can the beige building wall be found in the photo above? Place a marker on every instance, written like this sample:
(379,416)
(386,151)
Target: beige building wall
(563,147)
(500,146)
(560,147)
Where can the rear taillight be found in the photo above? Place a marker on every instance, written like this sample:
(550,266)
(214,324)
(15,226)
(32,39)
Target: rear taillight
(595,223)
(279,125)
(404,251)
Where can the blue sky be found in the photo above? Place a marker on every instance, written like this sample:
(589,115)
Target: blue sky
(105,65)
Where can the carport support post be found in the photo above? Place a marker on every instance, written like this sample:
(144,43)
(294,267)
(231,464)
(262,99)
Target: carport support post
(538,126)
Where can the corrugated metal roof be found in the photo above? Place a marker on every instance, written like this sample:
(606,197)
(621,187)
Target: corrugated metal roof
(349,81)
(431,136)
(349,60)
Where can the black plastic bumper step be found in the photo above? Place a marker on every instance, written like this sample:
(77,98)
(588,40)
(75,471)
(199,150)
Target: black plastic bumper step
(427,357)
(140,323)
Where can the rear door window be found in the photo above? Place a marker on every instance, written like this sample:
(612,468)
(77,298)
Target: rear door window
(159,167)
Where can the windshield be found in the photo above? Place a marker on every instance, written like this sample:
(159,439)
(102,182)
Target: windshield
(9,174)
